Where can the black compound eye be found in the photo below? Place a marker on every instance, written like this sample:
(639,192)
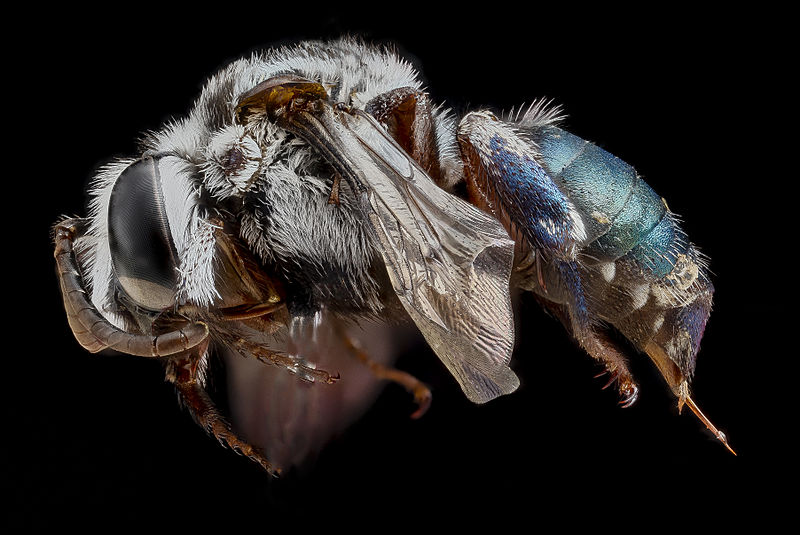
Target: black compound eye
(143,254)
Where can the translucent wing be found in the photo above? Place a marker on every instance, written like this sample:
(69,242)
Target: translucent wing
(448,262)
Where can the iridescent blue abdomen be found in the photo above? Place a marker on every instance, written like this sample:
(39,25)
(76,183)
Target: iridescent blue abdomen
(621,212)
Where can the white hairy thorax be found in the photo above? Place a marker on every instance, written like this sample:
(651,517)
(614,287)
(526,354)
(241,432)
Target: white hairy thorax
(282,187)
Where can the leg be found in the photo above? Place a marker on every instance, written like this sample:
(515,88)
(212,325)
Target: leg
(92,330)
(182,372)
(418,389)
(504,178)
(603,349)
(599,345)
(294,364)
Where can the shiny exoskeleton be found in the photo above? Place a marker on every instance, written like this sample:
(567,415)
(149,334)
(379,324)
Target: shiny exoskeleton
(605,248)
(303,214)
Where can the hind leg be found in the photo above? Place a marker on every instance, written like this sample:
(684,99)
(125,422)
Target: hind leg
(599,345)
(606,351)
(504,178)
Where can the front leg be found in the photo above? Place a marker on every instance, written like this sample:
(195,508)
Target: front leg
(182,371)
(91,328)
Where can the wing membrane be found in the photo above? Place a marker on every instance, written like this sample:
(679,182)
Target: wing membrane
(449,264)
(448,261)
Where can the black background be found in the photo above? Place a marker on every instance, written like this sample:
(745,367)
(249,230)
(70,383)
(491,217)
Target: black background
(101,442)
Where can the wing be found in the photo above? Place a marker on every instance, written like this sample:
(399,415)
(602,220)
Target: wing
(448,261)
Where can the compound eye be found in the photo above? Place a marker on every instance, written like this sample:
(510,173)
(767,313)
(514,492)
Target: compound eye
(143,254)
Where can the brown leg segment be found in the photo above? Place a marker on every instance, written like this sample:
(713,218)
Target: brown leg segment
(603,349)
(182,372)
(422,394)
(291,363)
(598,344)
(92,330)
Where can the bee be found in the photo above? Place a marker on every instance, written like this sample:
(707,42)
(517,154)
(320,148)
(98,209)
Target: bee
(315,205)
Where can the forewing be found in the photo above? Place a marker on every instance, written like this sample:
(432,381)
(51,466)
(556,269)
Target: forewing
(449,262)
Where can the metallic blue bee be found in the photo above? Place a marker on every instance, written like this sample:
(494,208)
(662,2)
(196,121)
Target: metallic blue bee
(305,211)
(604,249)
